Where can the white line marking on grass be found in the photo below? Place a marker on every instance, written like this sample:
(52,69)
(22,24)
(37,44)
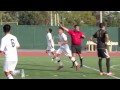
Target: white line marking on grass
(113,67)
(97,70)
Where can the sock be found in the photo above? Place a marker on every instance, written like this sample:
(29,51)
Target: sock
(16,72)
(100,64)
(81,60)
(108,64)
(74,61)
(10,77)
(59,61)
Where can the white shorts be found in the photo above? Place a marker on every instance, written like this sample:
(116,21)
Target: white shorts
(67,51)
(50,49)
(9,66)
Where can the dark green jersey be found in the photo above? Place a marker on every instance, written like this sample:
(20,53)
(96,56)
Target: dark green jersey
(101,39)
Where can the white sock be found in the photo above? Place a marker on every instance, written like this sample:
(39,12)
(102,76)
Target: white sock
(59,61)
(73,60)
(10,77)
(16,72)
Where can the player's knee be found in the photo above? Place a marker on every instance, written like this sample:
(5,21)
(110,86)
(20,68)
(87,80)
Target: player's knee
(108,58)
(73,58)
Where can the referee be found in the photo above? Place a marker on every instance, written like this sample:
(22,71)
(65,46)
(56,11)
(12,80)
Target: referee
(76,41)
(102,39)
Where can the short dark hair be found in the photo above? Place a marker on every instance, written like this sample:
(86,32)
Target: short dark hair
(61,28)
(101,25)
(75,26)
(50,30)
(6,28)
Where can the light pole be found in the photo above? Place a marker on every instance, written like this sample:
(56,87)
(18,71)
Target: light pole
(101,17)
(51,18)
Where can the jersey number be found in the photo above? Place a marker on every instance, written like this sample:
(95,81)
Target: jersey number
(12,42)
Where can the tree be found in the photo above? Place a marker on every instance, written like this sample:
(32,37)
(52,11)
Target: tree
(34,18)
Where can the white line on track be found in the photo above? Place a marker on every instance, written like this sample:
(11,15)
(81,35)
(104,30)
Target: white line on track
(95,70)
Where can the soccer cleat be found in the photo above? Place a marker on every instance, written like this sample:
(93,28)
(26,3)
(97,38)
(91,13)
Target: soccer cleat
(109,74)
(72,66)
(77,67)
(60,67)
(22,74)
(102,73)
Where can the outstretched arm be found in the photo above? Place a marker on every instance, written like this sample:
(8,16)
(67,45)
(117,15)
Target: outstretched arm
(66,29)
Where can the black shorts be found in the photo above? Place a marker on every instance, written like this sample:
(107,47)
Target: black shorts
(103,53)
(76,49)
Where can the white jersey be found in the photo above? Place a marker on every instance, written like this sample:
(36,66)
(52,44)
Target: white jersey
(9,44)
(49,37)
(62,38)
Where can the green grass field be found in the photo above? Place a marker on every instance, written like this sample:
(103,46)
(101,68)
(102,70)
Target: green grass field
(42,68)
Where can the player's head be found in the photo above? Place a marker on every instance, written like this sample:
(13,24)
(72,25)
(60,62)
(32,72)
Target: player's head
(102,26)
(76,28)
(60,30)
(50,30)
(6,28)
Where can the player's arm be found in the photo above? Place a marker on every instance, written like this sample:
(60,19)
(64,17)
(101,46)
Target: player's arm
(50,39)
(64,42)
(51,43)
(94,36)
(2,47)
(83,36)
(107,38)
(17,44)
(66,29)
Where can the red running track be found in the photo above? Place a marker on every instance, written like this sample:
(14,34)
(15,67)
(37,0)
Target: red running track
(41,53)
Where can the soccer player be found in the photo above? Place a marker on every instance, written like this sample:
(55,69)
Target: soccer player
(9,46)
(102,39)
(50,48)
(76,41)
(64,48)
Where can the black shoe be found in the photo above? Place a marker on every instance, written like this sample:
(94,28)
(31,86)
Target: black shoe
(72,66)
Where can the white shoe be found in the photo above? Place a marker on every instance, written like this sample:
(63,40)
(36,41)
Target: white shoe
(102,73)
(22,74)
(109,74)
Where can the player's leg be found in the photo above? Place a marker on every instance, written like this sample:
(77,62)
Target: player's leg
(6,69)
(73,49)
(100,65)
(59,51)
(68,53)
(78,48)
(51,52)
(100,55)
(17,72)
(107,62)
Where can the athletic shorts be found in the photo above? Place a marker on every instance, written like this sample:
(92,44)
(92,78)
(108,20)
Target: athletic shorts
(9,66)
(76,49)
(103,53)
(49,48)
(67,51)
